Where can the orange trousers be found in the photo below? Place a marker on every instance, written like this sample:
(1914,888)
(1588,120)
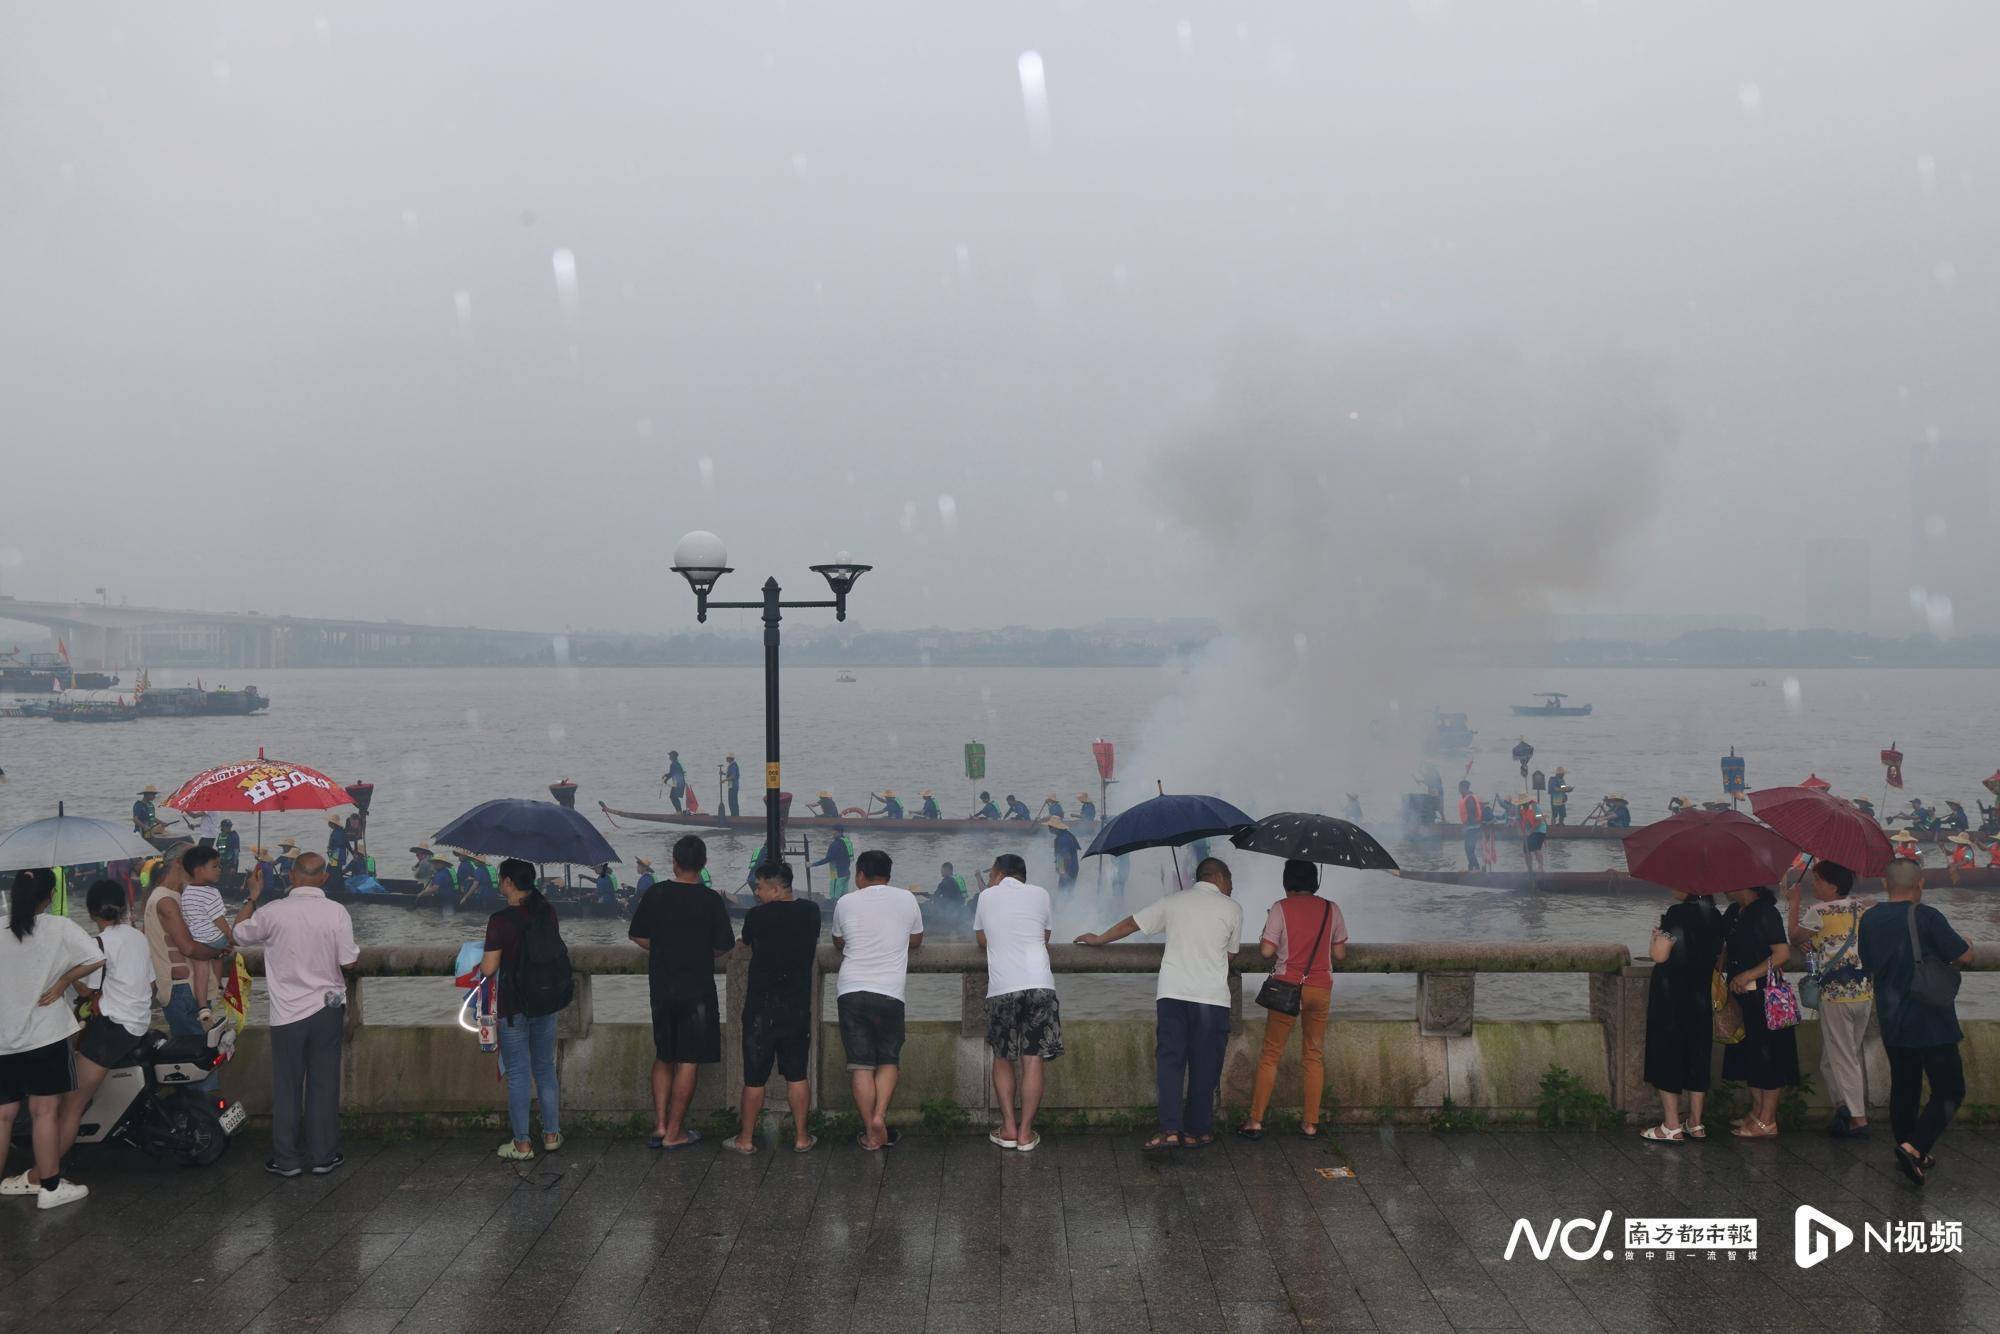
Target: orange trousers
(1314,1003)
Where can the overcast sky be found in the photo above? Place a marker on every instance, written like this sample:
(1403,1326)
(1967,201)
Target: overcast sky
(467,311)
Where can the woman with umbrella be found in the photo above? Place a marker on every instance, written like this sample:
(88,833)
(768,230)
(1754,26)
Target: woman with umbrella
(1697,853)
(1680,1022)
(1304,934)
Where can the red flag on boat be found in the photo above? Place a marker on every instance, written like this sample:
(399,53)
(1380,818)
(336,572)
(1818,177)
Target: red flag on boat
(1892,760)
(1992,784)
(1814,783)
(1107,758)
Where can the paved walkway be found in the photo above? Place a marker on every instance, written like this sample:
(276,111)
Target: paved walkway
(953,1235)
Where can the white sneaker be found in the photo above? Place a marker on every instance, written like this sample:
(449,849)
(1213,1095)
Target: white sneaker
(69,1192)
(19,1185)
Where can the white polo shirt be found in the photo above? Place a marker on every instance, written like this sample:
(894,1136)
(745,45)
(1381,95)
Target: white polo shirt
(1203,927)
(1015,917)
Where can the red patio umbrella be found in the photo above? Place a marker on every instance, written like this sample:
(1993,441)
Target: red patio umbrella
(257,786)
(1825,826)
(1707,852)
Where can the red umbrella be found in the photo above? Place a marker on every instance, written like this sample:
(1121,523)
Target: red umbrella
(1825,826)
(259,785)
(1707,852)
(1814,783)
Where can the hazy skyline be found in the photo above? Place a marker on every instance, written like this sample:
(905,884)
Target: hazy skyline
(466,313)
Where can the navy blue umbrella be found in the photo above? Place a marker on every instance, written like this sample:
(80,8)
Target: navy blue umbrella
(1167,821)
(534,831)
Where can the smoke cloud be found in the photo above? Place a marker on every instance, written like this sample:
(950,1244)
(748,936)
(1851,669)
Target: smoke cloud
(1355,514)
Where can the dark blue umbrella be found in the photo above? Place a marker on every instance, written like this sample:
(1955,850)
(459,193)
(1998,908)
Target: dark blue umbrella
(1167,821)
(534,831)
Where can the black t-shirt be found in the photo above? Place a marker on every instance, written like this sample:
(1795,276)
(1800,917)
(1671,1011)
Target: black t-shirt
(687,925)
(1885,952)
(504,931)
(1752,932)
(783,937)
(1695,926)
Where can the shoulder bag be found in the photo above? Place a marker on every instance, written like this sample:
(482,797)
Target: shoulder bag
(1728,1023)
(1933,982)
(1287,997)
(1781,1003)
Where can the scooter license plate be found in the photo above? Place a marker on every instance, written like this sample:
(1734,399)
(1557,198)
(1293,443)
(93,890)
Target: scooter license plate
(233,1119)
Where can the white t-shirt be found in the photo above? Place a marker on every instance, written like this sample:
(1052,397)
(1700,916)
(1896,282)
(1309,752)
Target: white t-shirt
(201,905)
(1015,918)
(126,979)
(1203,926)
(874,926)
(30,967)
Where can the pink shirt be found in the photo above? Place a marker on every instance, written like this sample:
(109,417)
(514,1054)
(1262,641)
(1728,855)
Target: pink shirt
(1298,924)
(306,938)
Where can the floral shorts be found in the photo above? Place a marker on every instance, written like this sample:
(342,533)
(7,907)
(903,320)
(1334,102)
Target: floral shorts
(1024,1023)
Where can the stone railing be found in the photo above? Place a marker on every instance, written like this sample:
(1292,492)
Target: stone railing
(1374,1067)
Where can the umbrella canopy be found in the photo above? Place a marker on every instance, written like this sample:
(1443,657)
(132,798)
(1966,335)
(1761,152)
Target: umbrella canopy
(1170,820)
(1315,838)
(1825,826)
(534,831)
(1707,852)
(259,785)
(70,840)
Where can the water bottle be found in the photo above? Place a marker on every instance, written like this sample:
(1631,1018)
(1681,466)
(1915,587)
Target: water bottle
(489,1027)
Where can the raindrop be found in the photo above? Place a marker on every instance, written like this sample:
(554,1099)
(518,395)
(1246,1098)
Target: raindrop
(643,428)
(986,694)
(322,30)
(947,511)
(706,466)
(1299,646)
(1097,470)
(1936,527)
(799,166)
(1927,172)
(850,477)
(1184,30)
(1750,97)
(10,558)
(963,253)
(1035,98)
(410,221)
(1061,498)
(357,746)
(1945,272)
(563,262)
(1048,293)
(909,519)
(557,734)
(1937,613)
(220,70)
(1121,276)
(1281,62)
(461,305)
(472,718)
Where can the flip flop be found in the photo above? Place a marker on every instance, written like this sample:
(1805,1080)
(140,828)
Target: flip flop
(895,1138)
(812,1142)
(1198,1141)
(1031,1144)
(1166,1139)
(694,1138)
(1911,1165)
(731,1145)
(1245,1132)
(995,1137)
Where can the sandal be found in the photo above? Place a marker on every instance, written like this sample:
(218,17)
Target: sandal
(1166,1139)
(1197,1141)
(1695,1131)
(1246,1132)
(1912,1165)
(999,1140)
(1752,1128)
(1663,1134)
(812,1142)
(552,1143)
(514,1153)
(736,1146)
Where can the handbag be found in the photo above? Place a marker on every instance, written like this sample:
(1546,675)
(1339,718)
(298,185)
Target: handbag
(1933,982)
(1289,997)
(1781,1003)
(1728,1024)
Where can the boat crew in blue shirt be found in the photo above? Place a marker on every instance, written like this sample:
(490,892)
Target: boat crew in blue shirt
(144,814)
(733,777)
(838,861)
(1086,809)
(229,846)
(987,810)
(825,807)
(1018,809)
(1053,808)
(675,778)
(645,880)
(336,845)
(605,882)
(892,809)
(929,810)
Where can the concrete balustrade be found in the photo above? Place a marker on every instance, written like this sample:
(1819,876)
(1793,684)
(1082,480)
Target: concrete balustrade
(1375,1068)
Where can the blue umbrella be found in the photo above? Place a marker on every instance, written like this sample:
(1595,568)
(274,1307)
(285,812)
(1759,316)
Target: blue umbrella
(534,831)
(1170,820)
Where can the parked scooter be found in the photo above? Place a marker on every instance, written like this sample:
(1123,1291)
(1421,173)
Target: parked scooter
(148,1102)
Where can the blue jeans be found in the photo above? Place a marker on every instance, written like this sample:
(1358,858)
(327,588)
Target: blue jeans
(1191,1039)
(184,1020)
(1472,835)
(528,1059)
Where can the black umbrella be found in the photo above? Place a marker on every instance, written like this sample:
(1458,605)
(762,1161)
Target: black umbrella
(534,831)
(1170,820)
(1315,838)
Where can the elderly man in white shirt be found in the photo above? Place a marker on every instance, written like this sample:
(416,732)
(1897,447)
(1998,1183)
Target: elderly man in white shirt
(1203,926)
(1011,922)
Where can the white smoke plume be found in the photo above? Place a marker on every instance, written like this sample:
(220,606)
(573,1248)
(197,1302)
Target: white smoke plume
(1359,515)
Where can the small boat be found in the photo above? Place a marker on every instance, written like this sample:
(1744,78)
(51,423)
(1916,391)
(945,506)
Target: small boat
(195,702)
(94,706)
(1507,833)
(873,824)
(845,679)
(1552,706)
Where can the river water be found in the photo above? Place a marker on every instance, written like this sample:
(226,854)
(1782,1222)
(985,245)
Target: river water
(437,742)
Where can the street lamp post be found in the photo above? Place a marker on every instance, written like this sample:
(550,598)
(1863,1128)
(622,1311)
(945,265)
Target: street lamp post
(702,560)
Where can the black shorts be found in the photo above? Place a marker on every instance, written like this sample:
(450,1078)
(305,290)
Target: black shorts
(1535,841)
(780,1037)
(108,1043)
(1024,1023)
(37,1073)
(871,1029)
(687,1032)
